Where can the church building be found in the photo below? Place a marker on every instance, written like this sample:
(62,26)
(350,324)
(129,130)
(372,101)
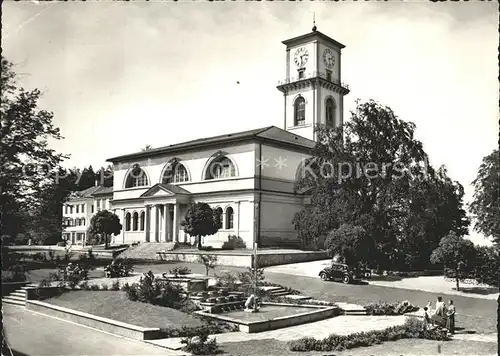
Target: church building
(249,176)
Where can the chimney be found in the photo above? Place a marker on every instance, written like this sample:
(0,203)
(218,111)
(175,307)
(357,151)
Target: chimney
(97,182)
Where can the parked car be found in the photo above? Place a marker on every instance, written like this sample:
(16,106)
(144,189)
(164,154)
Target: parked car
(340,271)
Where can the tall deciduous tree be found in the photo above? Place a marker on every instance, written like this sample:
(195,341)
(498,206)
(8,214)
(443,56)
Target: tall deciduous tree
(25,157)
(486,203)
(201,220)
(457,255)
(373,173)
(104,223)
(352,243)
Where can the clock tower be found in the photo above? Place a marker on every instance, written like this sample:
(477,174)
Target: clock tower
(312,89)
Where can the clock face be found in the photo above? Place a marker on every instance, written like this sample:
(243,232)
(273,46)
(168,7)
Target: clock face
(301,56)
(329,58)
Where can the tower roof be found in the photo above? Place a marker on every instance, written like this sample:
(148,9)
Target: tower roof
(315,34)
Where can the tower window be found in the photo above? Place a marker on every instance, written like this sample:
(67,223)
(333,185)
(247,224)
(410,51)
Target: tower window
(301,73)
(299,111)
(330,112)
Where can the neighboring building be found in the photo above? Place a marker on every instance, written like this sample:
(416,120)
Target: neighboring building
(80,208)
(248,175)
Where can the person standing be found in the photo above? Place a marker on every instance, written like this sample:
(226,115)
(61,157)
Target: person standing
(439,313)
(450,318)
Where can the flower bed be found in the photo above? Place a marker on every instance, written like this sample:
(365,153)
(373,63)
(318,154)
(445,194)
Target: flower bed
(385,308)
(412,329)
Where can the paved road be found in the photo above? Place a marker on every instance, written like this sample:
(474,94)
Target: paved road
(34,334)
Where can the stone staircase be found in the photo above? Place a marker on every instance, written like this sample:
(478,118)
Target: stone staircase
(146,250)
(282,292)
(17,297)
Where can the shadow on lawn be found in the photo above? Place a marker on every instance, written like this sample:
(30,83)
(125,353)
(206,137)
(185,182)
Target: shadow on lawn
(478,290)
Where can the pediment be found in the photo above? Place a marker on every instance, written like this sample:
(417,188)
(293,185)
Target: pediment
(163,190)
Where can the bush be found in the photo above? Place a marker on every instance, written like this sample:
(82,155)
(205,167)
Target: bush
(104,286)
(200,345)
(115,285)
(179,271)
(487,266)
(211,326)
(44,283)
(413,328)
(385,308)
(233,242)
(227,280)
(73,274)
(118,268)
(84,285)
(94,287)
(131,291)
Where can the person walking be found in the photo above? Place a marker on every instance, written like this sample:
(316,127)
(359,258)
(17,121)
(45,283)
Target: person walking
(450,318)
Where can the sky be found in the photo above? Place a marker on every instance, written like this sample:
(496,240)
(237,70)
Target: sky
(121,75)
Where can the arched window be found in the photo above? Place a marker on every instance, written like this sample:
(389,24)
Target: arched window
(136,178)
(221,167)
(299,111)
(127,222)
(175,173)
(229,218)
(143,216)
(330,112)
(135,221)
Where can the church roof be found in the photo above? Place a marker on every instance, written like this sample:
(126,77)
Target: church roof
(269,133)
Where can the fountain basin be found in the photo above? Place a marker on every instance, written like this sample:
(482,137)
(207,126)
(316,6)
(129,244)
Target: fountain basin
(275,316)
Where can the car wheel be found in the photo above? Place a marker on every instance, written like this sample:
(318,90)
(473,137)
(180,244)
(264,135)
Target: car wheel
(323,277)
(346,279)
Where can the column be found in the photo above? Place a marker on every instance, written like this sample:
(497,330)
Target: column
(154,215)
(122,219)
(175,225)
(168,234)
(146,223)
(237,219)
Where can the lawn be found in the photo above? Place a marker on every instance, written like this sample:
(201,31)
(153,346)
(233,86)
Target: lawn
(400,347)
(115,305)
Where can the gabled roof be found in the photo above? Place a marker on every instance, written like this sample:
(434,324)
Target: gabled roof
(86,193)
(168,189)
(103,191)
(269,133)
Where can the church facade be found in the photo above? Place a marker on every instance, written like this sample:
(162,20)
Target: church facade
(249,176)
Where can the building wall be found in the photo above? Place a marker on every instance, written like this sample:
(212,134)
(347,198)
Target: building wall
(195,163)
(276,220)
(336,54)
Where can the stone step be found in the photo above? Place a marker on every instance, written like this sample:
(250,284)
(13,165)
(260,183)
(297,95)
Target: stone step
(8,300)
(16,297)
(269,289)
(297,297)
(354,312)
(19,293)
(280,294)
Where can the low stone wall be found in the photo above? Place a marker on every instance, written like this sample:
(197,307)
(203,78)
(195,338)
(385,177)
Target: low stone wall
(9,287)
(94,321)
(41,293)
(246,260)
(317,313)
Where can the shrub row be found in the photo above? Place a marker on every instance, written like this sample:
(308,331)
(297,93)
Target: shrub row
(413,328)
(385,308)
(210,327)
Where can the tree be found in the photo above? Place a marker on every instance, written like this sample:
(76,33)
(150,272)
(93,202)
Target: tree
(201,220)
(372,173)
(209,261)
(457,255)
(352,243)
(105,223)
(485,205)
(25,157)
